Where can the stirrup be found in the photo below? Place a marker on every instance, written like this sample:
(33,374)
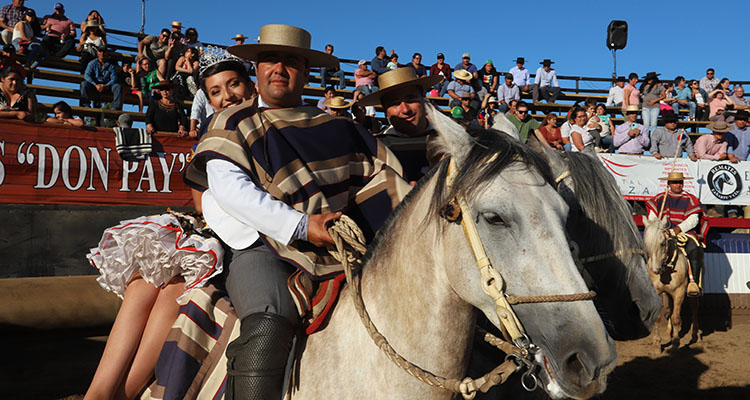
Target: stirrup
(693,290)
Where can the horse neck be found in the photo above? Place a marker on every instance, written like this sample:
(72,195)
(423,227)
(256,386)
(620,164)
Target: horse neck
(409,296)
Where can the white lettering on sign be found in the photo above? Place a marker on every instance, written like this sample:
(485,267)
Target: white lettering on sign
(101,166)
(82,168)
(2,167)
(166,170)
(126,171)
(147,175)
(42,164)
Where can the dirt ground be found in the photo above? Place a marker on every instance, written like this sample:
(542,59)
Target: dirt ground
(60,365)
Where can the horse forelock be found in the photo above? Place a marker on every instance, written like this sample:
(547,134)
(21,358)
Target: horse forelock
(489,155)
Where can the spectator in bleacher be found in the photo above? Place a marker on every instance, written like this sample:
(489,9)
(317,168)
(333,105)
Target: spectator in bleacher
(521,75)
(101,77)
(333,71)
(507,92)
(667,139)
(17,100)
(682,98)
(488,110)
(191,40)
(714,146)
(10,15)
(364,79)
(60,36)
(329,93)
(700,98)
(581,138)
(724,84)
(148,77)
(155,49)
(166,114)
(545,82)
(469,113)
(458,87)
(488,78)
(131,80)
(709,82)
(186,74)
(739,100)
(338,106)
(739,143)
(393,64)
(718,105)
(466,64)
(25,39)
(9,59)
(631,96)
(95,18)
(365,115)
(616,93)
(631,137)
(444,70)
(64,115)
(200,110)
(523,121)
(550,132)
(91,39)
(416,64)
(124,121)
(653,92)
(380,62)
(606,128)
(240,39)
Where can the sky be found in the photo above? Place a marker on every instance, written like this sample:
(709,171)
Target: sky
(669,37)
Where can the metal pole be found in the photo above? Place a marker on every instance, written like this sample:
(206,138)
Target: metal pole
(143,17)
(614,74)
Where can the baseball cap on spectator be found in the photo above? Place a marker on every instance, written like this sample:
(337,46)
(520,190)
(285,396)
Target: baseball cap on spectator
(741,115)
(440,55)
(125,120)
(489,61)
(59,6)
(466,55)
(457,112)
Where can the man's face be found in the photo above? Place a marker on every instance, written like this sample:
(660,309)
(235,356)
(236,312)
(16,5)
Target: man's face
(620,84)
(519,65)
(681,84)
(465,101)
(509,81)
(176,28)
(741,123)
(441,60)
(18,3)
(675,186)
(417,59)
(338,112)
(404,108)
(382,53)
(522,112)
(329,49)
(101,56)
(632,116)
(546,67)
(163,37)
(466,60)
(739,92)
(709,74)
(281,78)
(670,125)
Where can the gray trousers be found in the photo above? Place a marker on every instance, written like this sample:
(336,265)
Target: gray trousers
(549,93)
(256,282)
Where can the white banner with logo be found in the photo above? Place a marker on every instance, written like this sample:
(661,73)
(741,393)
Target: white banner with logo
(714,182)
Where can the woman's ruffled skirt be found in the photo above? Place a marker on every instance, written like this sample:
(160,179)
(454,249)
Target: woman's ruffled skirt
(160,248)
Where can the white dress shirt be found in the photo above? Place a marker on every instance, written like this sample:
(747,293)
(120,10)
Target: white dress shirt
(616,94)
(521,77)
(544,78)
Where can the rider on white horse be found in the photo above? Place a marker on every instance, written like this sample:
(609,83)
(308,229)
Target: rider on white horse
(683,212)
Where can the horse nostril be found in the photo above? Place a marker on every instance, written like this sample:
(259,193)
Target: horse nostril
(575,370)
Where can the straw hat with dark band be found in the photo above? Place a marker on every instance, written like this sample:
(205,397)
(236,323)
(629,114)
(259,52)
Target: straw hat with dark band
(674,176)
(337,103)
(285,39)
(397,79)
(239,36)
(719,127)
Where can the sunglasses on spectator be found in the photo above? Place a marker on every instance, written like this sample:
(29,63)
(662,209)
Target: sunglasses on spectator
(523,111)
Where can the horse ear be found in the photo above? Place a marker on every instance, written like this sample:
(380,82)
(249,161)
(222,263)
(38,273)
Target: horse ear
(652,217)
(555,159)
(452,137)
(503,124)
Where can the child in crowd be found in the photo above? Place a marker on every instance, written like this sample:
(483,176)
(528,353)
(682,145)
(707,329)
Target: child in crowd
(64,115)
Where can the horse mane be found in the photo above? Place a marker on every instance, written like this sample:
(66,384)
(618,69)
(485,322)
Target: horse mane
(491,152)
(651,234)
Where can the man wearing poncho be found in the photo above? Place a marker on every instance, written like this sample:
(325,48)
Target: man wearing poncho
(273,173)
(683,212)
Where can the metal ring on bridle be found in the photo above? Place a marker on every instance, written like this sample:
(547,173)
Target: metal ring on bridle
(534,380)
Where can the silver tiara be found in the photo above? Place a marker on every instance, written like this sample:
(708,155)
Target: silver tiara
(213,55)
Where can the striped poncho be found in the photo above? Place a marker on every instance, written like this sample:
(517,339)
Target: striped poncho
(677,209)
(311,161)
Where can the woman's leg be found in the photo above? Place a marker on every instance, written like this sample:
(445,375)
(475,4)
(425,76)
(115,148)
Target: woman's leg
(123,340)
(163,315)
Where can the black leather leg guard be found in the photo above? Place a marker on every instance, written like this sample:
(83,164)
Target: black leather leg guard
(257,358)
(695,256)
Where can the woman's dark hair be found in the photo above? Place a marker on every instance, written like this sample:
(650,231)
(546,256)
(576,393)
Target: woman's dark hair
(601,105)
(653,80)
(722,81)
(64,107)
(191,29)
(7,70)
(229,65)
(100,16)
(632,75)
(192,50)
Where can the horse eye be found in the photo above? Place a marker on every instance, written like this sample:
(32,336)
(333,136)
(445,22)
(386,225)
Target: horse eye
(494,219)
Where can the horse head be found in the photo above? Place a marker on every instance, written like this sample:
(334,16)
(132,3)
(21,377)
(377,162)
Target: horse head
(520,219)
(655,237)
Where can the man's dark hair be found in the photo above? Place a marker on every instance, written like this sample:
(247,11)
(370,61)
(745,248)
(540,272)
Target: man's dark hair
(710,70)
(678,79)
(64,107)
(632,75)
(330,89)
(167,31)
(521,104)
(416,54)
(378,50)
(191,29)
(329,45)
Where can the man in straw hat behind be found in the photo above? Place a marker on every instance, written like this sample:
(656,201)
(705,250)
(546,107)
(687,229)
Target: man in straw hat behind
(267,168)
(338,106)
(683,212)
(401,95)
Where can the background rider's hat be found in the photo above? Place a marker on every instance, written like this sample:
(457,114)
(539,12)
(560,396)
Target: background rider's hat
(719,127)
(396,79)
(286,39)
(674,176)
(337,102)
(239,36)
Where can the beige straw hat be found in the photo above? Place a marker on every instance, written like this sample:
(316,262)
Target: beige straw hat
(463,74)
(337,103)
(239,36)
(719,127)
(397,79)
(286,39)
(675,176)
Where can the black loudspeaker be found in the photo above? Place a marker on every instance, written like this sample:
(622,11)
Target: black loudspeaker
(617,35)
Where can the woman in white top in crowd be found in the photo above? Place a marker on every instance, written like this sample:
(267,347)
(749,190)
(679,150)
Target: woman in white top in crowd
(25,41)
(91,39)
(579,135)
